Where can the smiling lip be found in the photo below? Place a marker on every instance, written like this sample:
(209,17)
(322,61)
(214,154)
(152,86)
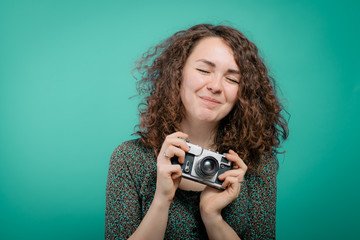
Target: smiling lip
(211,100)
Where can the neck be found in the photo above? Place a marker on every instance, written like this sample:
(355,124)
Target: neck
(200,133)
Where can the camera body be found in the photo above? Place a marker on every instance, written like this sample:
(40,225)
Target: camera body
(204,166)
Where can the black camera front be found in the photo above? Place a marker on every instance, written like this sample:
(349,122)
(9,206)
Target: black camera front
(208,167)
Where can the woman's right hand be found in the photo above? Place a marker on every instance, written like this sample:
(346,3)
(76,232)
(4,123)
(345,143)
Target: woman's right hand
(169,175)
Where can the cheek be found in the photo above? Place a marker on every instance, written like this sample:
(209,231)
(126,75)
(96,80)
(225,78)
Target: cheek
(194,81)
(185,92)
(232,95)
(182,94)
(189,85)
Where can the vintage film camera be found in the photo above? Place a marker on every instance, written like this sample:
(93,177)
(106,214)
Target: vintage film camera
(204,166)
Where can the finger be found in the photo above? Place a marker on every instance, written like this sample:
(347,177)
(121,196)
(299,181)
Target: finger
(179,143)
(230,181)
(234,157)
(174,146)
(239,168)
(178,135)
(167,170)
(172,139)
(175,171)
(232,152)
(175,151)
(238,173)
(175,176)
(176,141)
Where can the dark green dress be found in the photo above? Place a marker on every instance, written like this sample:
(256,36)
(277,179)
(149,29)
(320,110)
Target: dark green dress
(131,187)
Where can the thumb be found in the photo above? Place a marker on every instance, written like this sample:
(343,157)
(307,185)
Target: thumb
(175,171)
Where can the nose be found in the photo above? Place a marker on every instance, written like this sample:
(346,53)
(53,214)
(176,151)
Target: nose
(215,84)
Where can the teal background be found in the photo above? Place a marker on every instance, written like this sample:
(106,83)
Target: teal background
(65,84)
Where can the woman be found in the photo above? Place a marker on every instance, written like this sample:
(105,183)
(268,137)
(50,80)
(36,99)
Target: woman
(206,84)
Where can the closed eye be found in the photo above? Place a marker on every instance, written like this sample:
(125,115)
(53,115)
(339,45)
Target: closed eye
(233,81)
(203,71)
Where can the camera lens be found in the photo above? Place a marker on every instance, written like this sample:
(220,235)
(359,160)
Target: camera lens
(209,166)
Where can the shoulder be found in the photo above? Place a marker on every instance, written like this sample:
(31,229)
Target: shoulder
(133,145)
(132,149)
(267,167)
(133,156)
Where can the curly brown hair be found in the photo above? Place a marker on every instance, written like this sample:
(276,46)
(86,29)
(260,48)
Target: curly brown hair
(255,126)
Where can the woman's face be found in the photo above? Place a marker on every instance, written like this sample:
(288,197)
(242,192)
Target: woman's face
(210,81)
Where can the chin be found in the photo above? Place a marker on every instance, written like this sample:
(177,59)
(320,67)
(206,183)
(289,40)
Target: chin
(208,119)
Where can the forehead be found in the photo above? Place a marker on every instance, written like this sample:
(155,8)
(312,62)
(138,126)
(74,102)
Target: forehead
(213,49)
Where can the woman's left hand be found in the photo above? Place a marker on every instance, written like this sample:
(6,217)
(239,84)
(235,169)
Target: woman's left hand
(212,201)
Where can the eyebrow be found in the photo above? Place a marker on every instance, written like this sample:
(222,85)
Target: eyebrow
(211,64)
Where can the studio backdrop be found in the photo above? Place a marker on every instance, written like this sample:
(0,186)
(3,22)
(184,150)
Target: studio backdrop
(65,104)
